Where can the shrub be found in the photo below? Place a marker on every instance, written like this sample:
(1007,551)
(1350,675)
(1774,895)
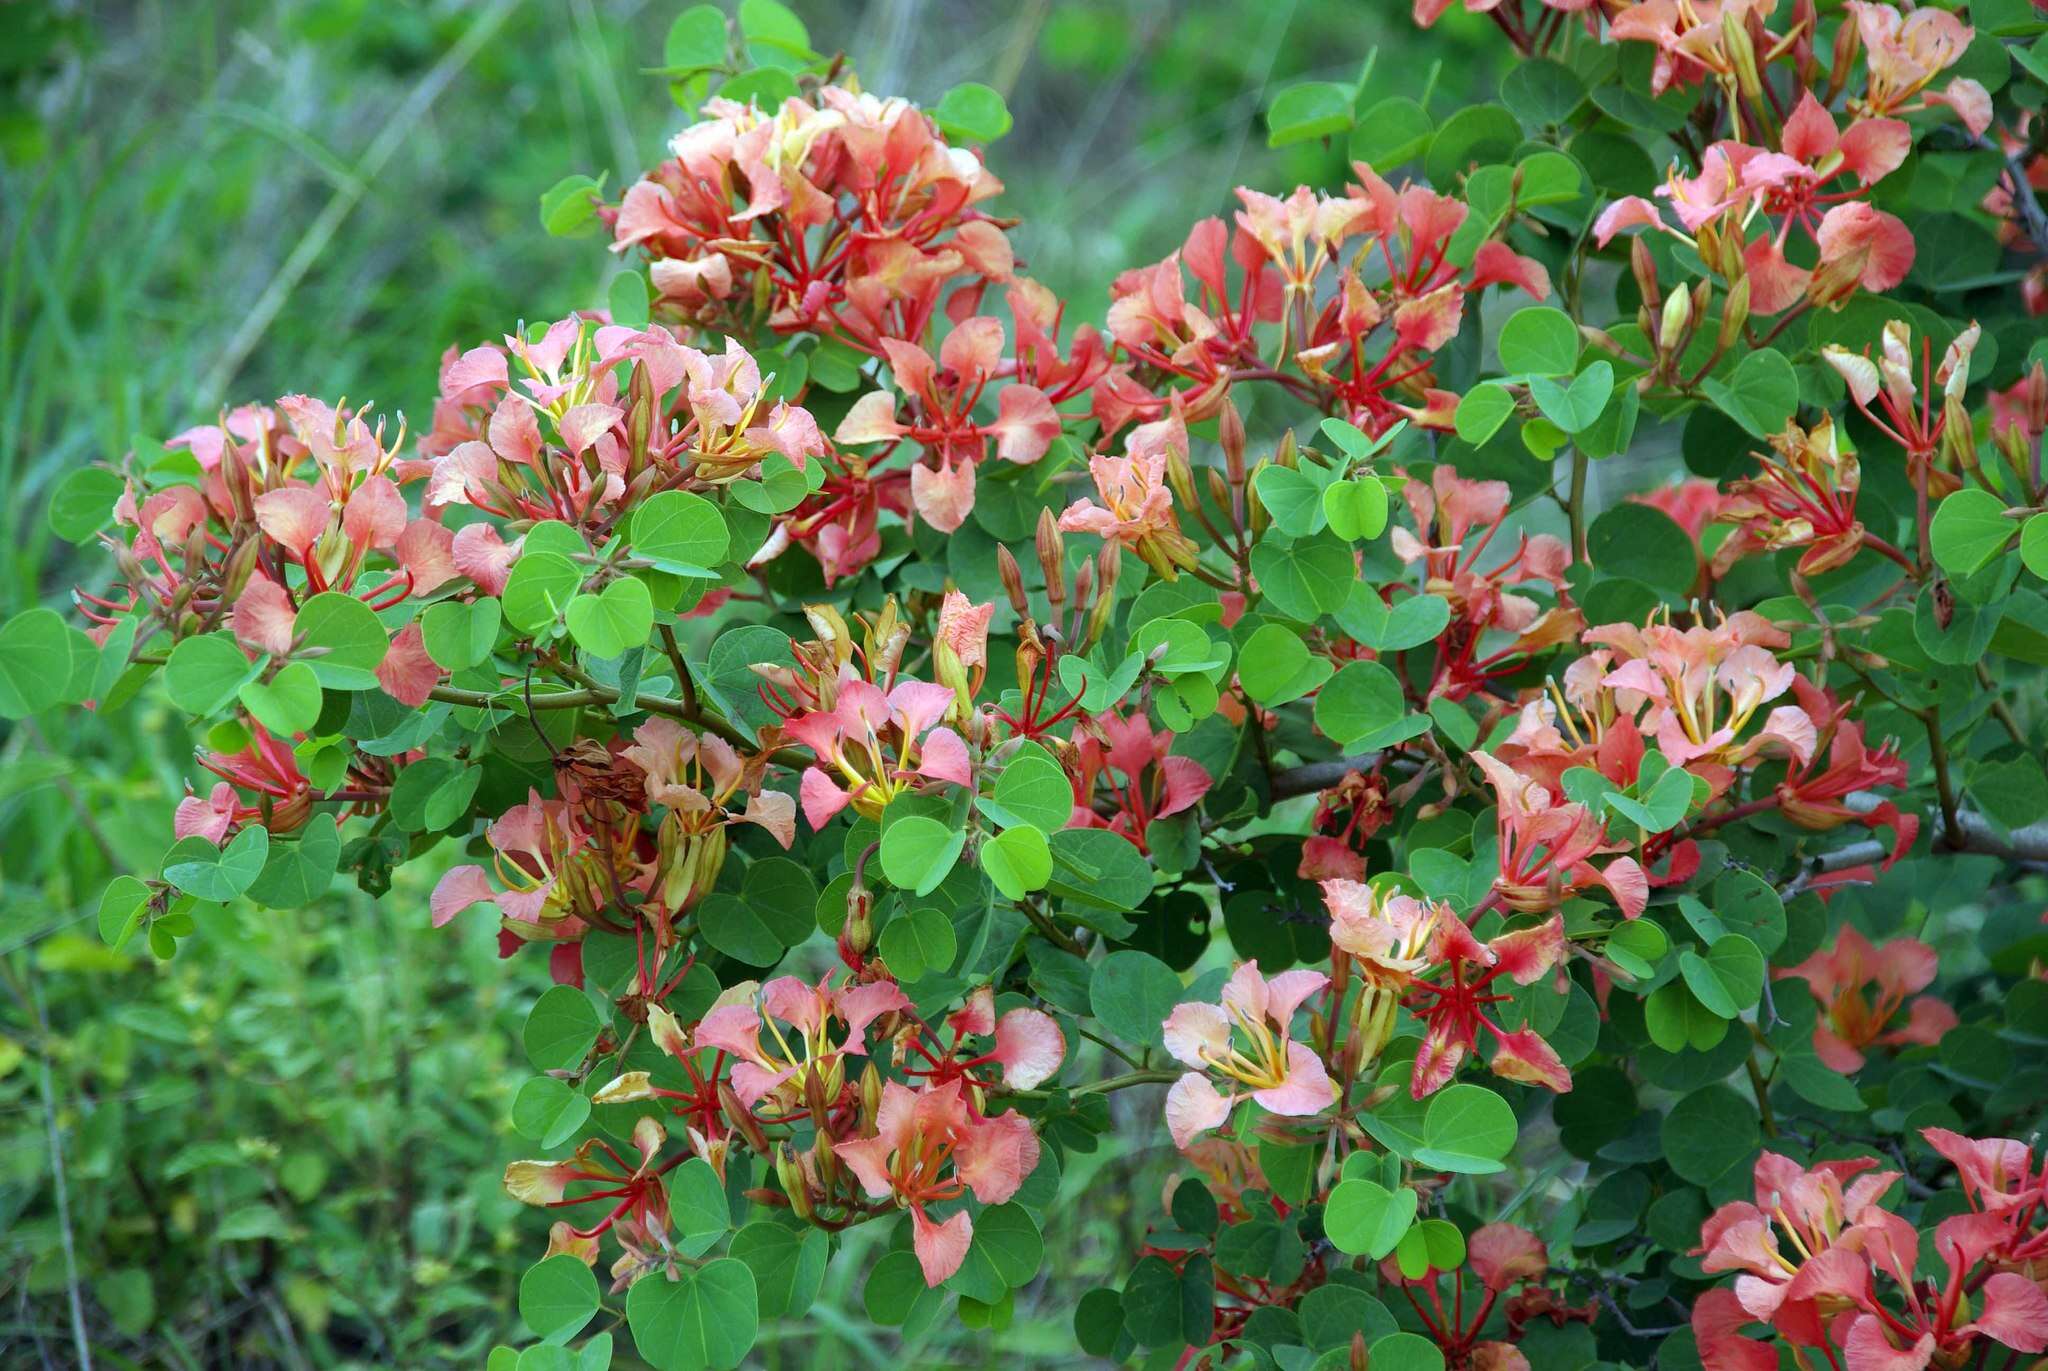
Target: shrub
(1519,909)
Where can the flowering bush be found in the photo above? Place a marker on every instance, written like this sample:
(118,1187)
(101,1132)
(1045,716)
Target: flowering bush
(1525,908)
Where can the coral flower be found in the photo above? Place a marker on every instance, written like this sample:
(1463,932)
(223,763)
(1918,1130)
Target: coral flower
(1861,989)
(1282,1075)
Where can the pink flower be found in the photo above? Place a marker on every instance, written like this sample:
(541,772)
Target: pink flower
(1825,1216)
(1852,1019)
(824,1023)
(1137,508)
(1247,1040)
(918,1133)
(872,746)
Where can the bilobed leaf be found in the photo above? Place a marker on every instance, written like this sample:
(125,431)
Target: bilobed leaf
(299,869)
(1576,406)
(1018,860)
(122,905)
(2034,545)
(459,634)
(560,1029)
(1364,1218)
(1356,509)
(788,1265)
(289,702)
(205,672)
(1539,341)
(1467,1128)
(1482,410)
(1968,530)
(1410,621)
(1276,667)
(568,208)
(1390,133)
(539,589)
(706,1319)
(1132,993)
(557,1296)
(918,943)
(1310,109)
(1760,394)
(696,41)
(1362,708)
(918,851)
(1032,788)
(83,503)
(197,867)
(696,1199)
(613,620)
(342,640)
(682,533)
(972,111)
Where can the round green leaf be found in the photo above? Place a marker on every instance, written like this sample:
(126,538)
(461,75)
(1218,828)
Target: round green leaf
(696,1199)
(1364,1218)
(613,620)
(1132,992)
(83,503)
(973,112)
(707,1319)
(539,589)
(1361,701)
(1391,132)
(918,852)
(788,1265)
(681,533)
(1709,1134)
(342,640)
(1760,394)
(197,867)
(459,634)
(1969,529)
(289,702)
(1276,667)
(1467,1128)
(549,1111)
(1643,544)
(1482,411)
(299,869)
(560,1029)
(2034,545)
(1018,860)
(557,1297)
(122,905)
(1033,789)
(918,943)
(1539,341)
(1310,109)
(204,673)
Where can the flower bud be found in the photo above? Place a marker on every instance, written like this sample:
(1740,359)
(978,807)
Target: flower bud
(1674,322)
(742,1120)
(858,933)
(1180,476)
(1013,580)
(1645,268)
(1734,314)
(1052,557)
(870,1098)
(789,1173)
(1230,432)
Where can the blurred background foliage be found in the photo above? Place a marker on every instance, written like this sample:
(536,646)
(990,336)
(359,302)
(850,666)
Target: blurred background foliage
(282,1148)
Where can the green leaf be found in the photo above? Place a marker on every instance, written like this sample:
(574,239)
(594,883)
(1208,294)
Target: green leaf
(289,702)
(1276,667)
(1969,529)
(1539,341)
(197,867)
(1729,979)
(1364,1218)
(973,112)
(1542,91)
(1033,789)
(918,852)
(1006,1253)
(1404,1352)
(2034,545)
(299,871)
(1018,860)
(696,1199)
(1132,992)
(1305,578)
(788,1266)
(1643,544)
(681,533)
(1294,497)
(1482,410)
(204,673)
(568,208)
(1661,810)
(1710,1134)
(1677,1020)
(557,1297)
(342,640)
(919,943)
(549,1111)
(459,634)
(1357,508)
(1468,1128)
(754,933)
(614,620)
(696,41)
(775,25)
(1362,708)
(1548,178)
(1474,136)
(122,905)
(1310,109)
(83,503)
(1760,394)
(1390,133)
(560,1029)
(539,589)
(707,1319)
(1409,622)
(1578,406)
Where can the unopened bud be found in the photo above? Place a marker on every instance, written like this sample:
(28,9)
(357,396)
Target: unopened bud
(1230,432)
(1219,489)
(1013,580)
(241,564)
(1645,268)
(742,1119)
(1734,314)
(789,1173)
(1361,1360)
(1052,557)
(1255,508)
(870,1097)
(1673,324)
(1180,476)
(858,933)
